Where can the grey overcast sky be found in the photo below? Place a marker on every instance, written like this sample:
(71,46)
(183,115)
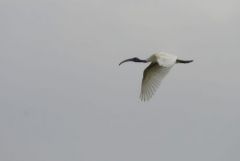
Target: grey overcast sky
(63,96)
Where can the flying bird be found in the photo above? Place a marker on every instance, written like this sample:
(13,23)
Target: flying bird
(160,65)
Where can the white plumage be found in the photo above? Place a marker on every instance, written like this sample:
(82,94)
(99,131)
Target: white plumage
(161,63)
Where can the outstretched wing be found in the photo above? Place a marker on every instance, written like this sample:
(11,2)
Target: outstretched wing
(152,78)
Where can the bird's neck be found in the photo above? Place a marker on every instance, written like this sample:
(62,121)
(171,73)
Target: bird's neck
(141,61)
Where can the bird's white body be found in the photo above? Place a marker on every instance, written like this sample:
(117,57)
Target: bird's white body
(163,59)
(161,63)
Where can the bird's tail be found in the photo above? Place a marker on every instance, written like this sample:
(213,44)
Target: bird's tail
(183,61)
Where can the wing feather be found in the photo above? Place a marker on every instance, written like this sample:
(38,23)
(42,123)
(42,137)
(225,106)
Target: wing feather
(152,77)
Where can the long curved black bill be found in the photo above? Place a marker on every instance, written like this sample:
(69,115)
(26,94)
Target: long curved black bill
(134,60)
(124,61)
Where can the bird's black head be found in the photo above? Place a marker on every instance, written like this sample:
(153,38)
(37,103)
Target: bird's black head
(135,59)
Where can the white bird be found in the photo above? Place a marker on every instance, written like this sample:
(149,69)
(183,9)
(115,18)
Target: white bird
(161,63)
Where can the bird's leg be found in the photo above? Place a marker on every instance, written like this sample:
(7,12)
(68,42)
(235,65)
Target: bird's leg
(183,61)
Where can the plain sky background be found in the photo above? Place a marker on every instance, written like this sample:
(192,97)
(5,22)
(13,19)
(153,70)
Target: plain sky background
(63,96)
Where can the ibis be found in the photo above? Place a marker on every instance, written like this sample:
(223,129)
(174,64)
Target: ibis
(160,65)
